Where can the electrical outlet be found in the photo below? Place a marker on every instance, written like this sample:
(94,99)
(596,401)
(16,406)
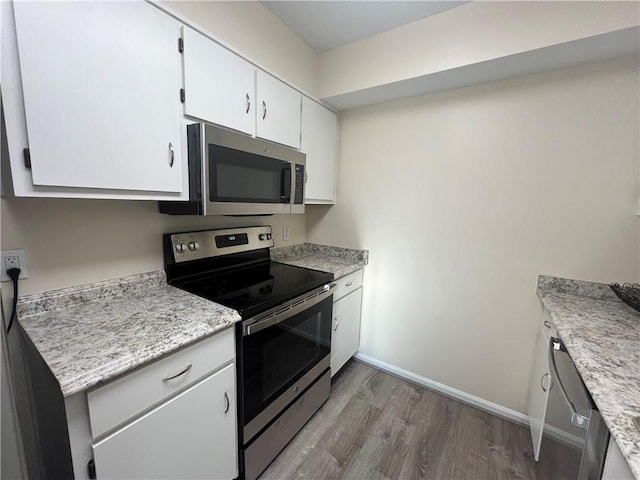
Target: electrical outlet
(13,259)
(285,233)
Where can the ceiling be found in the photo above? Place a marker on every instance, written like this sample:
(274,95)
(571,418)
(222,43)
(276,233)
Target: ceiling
(329,24)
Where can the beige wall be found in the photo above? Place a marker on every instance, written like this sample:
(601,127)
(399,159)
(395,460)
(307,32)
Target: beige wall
(464,197)
(472,33)
(254,31)
(69,242)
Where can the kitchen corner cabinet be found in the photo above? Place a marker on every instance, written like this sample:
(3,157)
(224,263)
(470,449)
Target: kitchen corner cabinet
(174,418)
(319,142)
(219,85)
(278,110)
(101,87)
(540,384)
(345,337)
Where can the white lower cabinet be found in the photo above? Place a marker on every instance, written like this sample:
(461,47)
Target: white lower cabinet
(191,435)
(539,387)
(345,337)
(172,419)
(615,466)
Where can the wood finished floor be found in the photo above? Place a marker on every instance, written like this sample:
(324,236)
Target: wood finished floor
(377,426)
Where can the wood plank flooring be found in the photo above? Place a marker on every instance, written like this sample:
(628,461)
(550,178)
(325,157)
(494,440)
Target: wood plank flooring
(376,426)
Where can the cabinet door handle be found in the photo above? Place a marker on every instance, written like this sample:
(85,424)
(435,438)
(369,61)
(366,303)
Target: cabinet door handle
(542,382)
(173,154)
(349,283)
(264,110)
(336,323)
(227,403)
(182,372)
(547,324)
(248,103)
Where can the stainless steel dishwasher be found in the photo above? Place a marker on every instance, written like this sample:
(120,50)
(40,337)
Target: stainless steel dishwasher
(581,411)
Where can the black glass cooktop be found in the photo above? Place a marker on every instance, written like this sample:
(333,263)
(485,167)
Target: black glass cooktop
(254,289)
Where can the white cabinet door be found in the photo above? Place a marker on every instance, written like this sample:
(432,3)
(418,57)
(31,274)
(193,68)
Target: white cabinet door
(345,338)
(219,85)
(539,386)
(278,111)
(101,83)
(192,435)
(319,141)
(615,466)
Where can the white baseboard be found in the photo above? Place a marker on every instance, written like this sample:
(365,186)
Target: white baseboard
(469,399)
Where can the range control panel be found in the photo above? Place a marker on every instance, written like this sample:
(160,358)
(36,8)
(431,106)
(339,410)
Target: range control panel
(189,246)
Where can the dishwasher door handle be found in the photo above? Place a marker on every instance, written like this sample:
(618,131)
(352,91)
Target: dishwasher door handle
(580,421)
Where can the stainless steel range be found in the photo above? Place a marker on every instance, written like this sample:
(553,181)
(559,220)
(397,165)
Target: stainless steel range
(283,342)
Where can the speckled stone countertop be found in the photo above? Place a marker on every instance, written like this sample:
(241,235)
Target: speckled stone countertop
(337,260)
(95,332)
(602,336)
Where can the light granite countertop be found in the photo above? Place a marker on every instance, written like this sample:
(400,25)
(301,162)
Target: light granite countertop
(95,332)
(336,260)
(92,333)
(602,336)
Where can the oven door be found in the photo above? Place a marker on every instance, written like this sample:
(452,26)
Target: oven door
(280,356)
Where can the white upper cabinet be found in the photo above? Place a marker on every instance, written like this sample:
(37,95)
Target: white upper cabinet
(278,111)
(101,84)
(319,142)
(219,85)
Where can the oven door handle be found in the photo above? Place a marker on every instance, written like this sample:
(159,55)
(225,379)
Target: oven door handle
(284,312)
(577,420)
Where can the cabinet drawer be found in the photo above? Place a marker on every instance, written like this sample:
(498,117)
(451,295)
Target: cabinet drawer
(121,399)
(347,284)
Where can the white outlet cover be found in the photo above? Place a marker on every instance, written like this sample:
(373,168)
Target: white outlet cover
(22,258)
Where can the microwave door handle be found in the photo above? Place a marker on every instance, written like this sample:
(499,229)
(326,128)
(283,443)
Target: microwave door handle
(285,184)
(578,420)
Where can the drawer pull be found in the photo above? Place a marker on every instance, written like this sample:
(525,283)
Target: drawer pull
(227,403)
(349,283)
(542,382)
(547,324)
(337,321)
(186,369)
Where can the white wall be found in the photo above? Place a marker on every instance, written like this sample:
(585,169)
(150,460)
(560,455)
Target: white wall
(464,197)
(69,242)
(472,33)
(254,31)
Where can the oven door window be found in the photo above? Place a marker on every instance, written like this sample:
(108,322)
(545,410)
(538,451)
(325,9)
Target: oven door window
(275,358)
(242,177)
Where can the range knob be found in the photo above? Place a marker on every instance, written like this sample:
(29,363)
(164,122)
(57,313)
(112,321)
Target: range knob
(262,236)
(193,246)
(181,247)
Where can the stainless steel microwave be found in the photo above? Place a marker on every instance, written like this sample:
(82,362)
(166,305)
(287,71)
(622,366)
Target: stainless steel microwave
(232,173)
